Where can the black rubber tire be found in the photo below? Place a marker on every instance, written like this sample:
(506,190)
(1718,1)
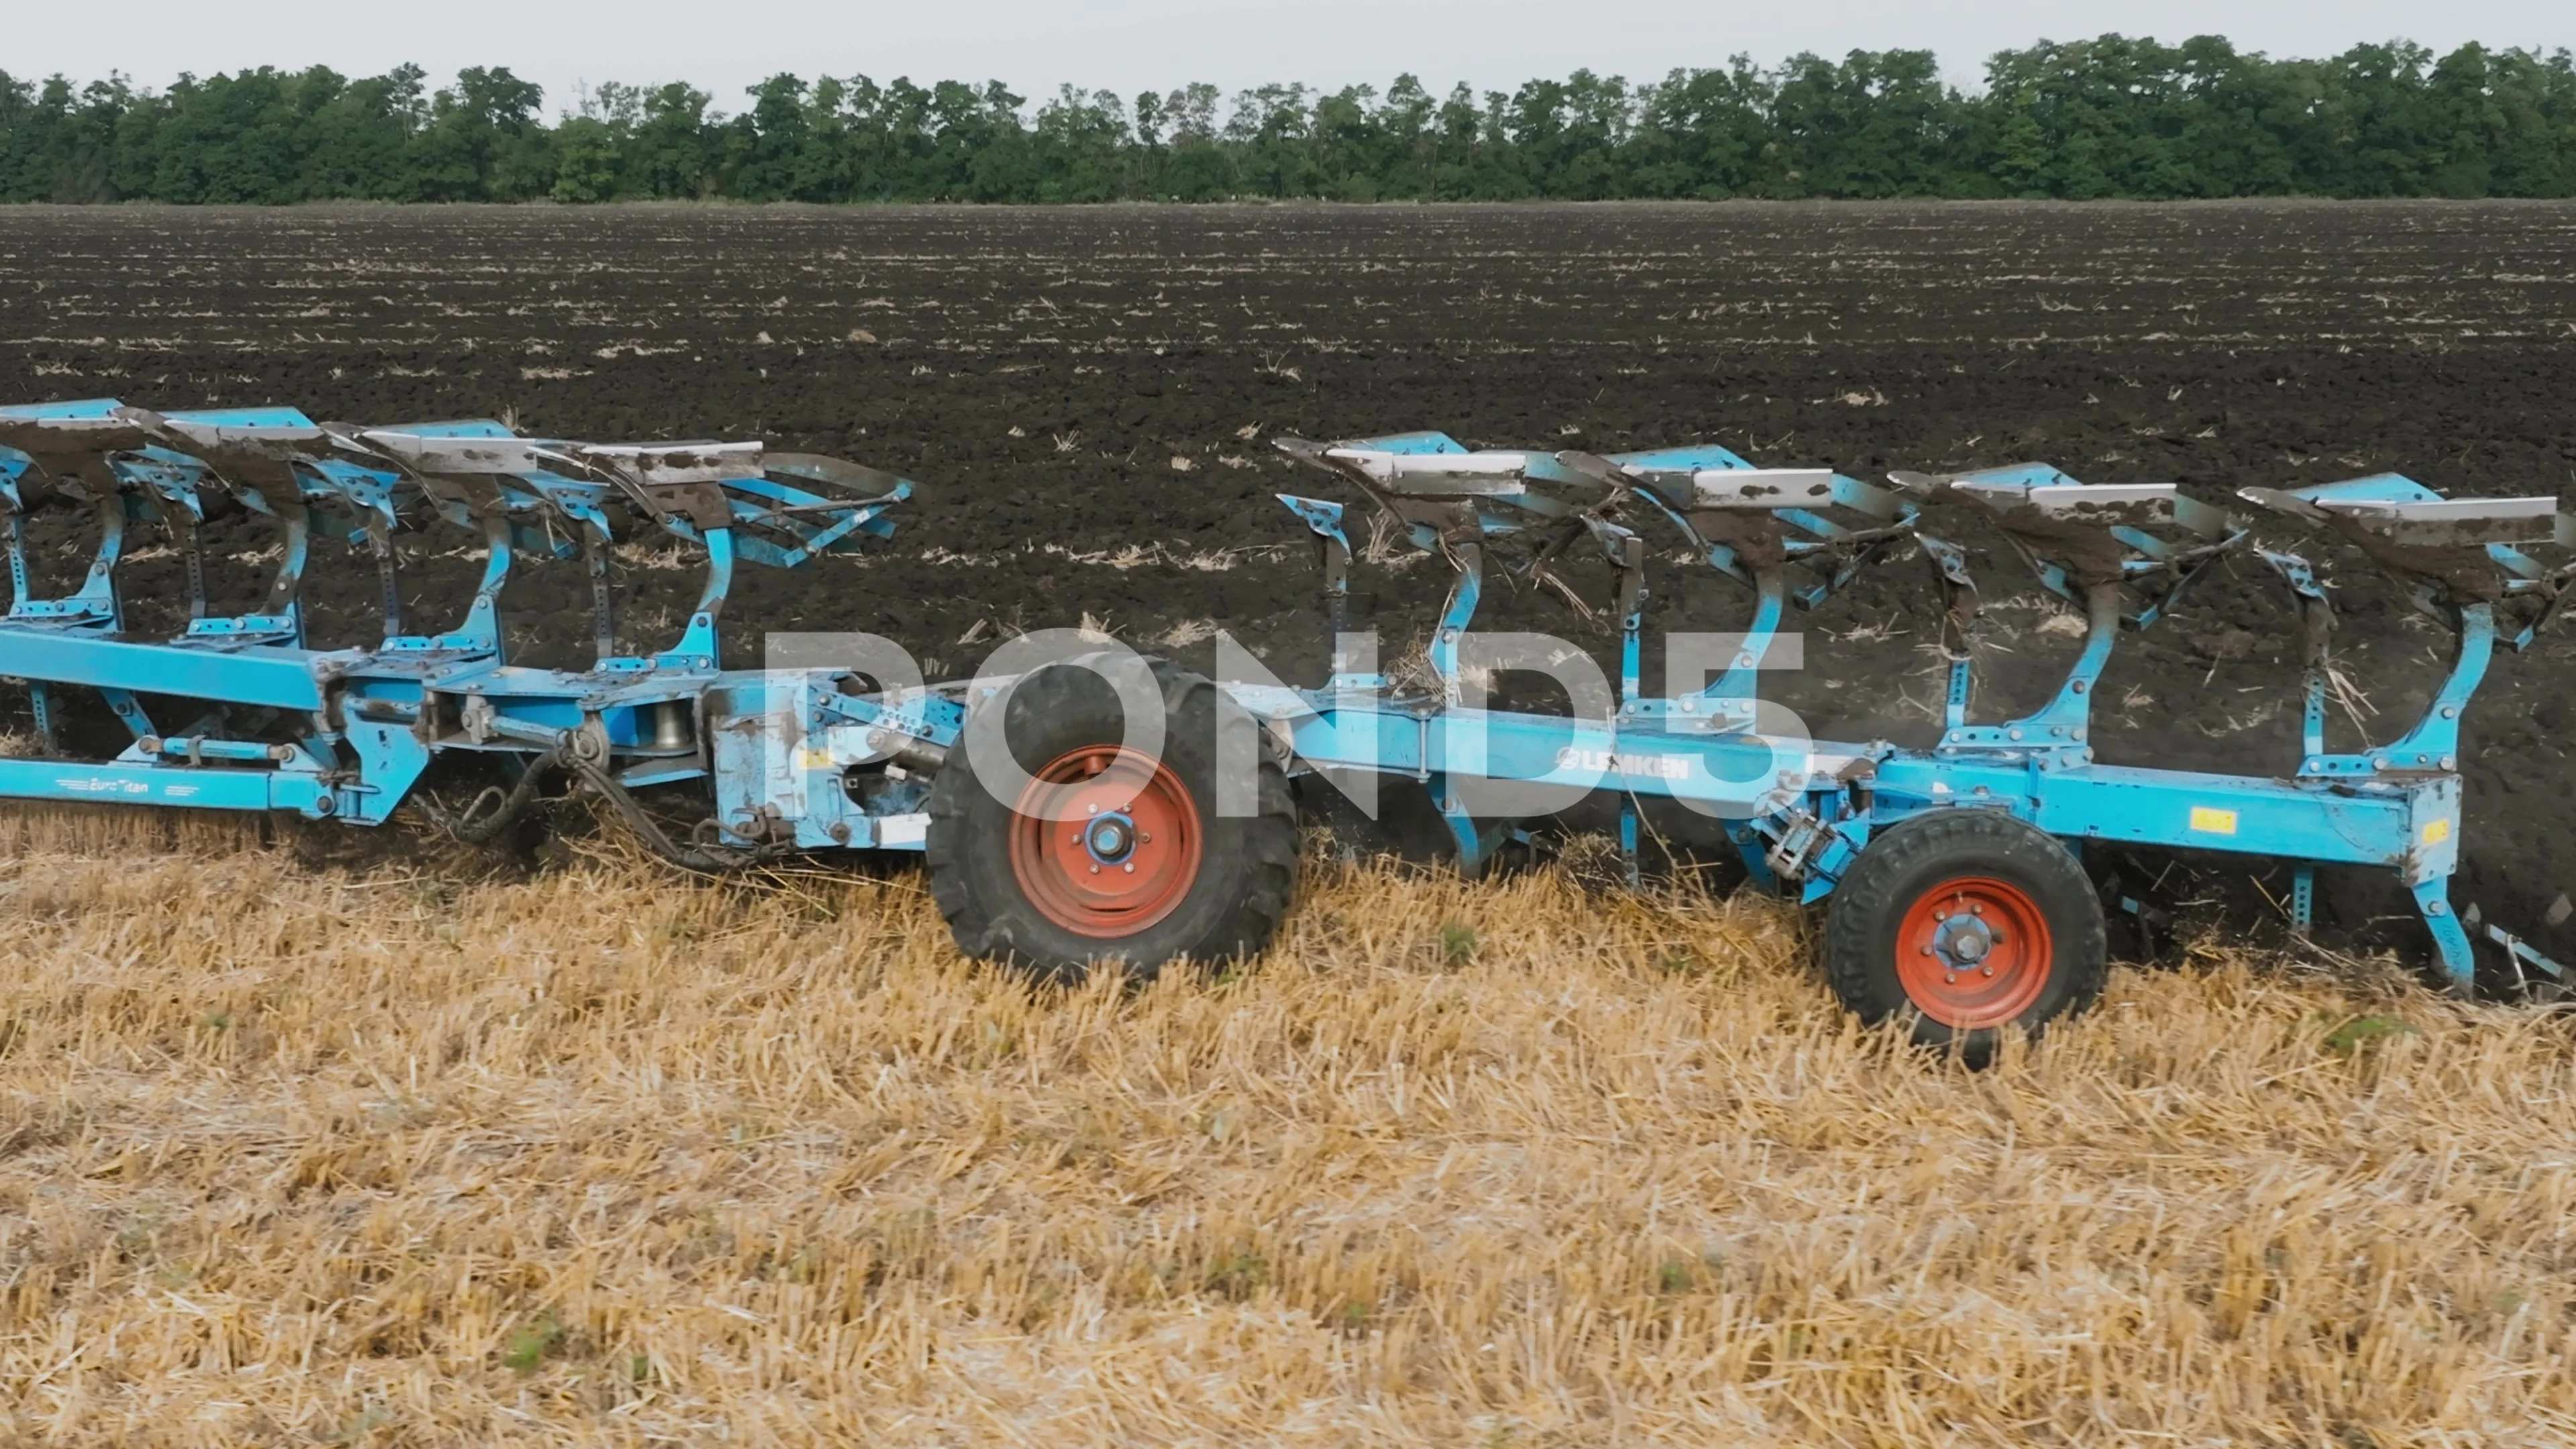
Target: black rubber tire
(1915,856)
(1247,873)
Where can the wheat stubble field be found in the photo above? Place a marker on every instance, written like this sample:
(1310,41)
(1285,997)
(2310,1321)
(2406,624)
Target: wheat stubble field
(300,1148)
(295,1153)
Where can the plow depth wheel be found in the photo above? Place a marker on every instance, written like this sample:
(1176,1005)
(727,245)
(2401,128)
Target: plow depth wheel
(1103,853)
(1106,843)
(1965,921)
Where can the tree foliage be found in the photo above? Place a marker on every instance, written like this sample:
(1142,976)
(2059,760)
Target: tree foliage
(2107,117)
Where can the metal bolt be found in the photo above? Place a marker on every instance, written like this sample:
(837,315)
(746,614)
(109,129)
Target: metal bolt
(2450,762)
(2450,711)
(1996,936)
(2016,734)
(1949,978)
(1990,971)
(1143,839)
(1130,867)
(1095,870)
(1095,809)
(1976,910)
(1927,950)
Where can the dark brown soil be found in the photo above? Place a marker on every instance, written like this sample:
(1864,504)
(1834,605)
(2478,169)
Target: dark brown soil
(1087,395)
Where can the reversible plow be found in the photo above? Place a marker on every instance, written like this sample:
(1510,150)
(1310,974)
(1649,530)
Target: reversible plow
(1093,804)
(239,712)
(1954,868)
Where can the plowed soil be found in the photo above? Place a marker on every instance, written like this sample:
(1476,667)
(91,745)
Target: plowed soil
(1087,396)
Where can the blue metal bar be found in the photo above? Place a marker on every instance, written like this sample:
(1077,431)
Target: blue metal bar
(480,632)
(2405,825)
(1628,839)
(2450,940)
(1463,597)
(17,557)
(180,785)
(1464,833)
(2060,728)
(257,674)
(697,646)
(1631,681)
(130,710)
(2434,742)
(1742,680)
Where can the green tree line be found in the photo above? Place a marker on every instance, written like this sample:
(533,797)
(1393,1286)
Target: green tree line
(2107,117)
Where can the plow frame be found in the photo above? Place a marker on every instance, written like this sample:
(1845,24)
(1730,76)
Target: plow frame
(348,734)
(1801,811)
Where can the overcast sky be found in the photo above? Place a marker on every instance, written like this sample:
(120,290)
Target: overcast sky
(1130,45)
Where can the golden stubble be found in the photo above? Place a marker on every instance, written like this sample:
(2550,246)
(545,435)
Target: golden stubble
(302,1153)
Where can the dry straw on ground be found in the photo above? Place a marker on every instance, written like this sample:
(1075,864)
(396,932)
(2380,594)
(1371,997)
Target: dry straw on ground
(300,1155)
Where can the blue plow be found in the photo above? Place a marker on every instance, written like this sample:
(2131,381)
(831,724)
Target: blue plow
(240,712)
(1804,813)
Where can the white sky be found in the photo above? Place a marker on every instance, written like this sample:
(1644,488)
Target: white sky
(1130,45)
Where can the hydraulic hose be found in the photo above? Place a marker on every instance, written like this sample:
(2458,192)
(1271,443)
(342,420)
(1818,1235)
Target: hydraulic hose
(708,859)
(496,810)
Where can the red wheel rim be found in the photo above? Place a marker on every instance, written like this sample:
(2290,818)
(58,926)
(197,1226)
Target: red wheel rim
(1974,952)
(1105,842)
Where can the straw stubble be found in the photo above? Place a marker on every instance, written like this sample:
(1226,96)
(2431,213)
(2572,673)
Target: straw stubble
(300,1154)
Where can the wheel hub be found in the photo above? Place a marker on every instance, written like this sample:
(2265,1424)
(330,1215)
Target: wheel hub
(1106,843)
(1974,952)
(1964,939)
(1110,837)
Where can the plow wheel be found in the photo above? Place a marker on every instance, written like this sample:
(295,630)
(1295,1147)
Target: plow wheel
(1965,922)
(1088,851)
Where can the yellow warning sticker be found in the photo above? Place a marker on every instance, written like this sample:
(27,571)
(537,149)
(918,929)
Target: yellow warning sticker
(2436,831)
(2211,821)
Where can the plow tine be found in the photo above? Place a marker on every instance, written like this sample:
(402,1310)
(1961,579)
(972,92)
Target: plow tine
(1304,450)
